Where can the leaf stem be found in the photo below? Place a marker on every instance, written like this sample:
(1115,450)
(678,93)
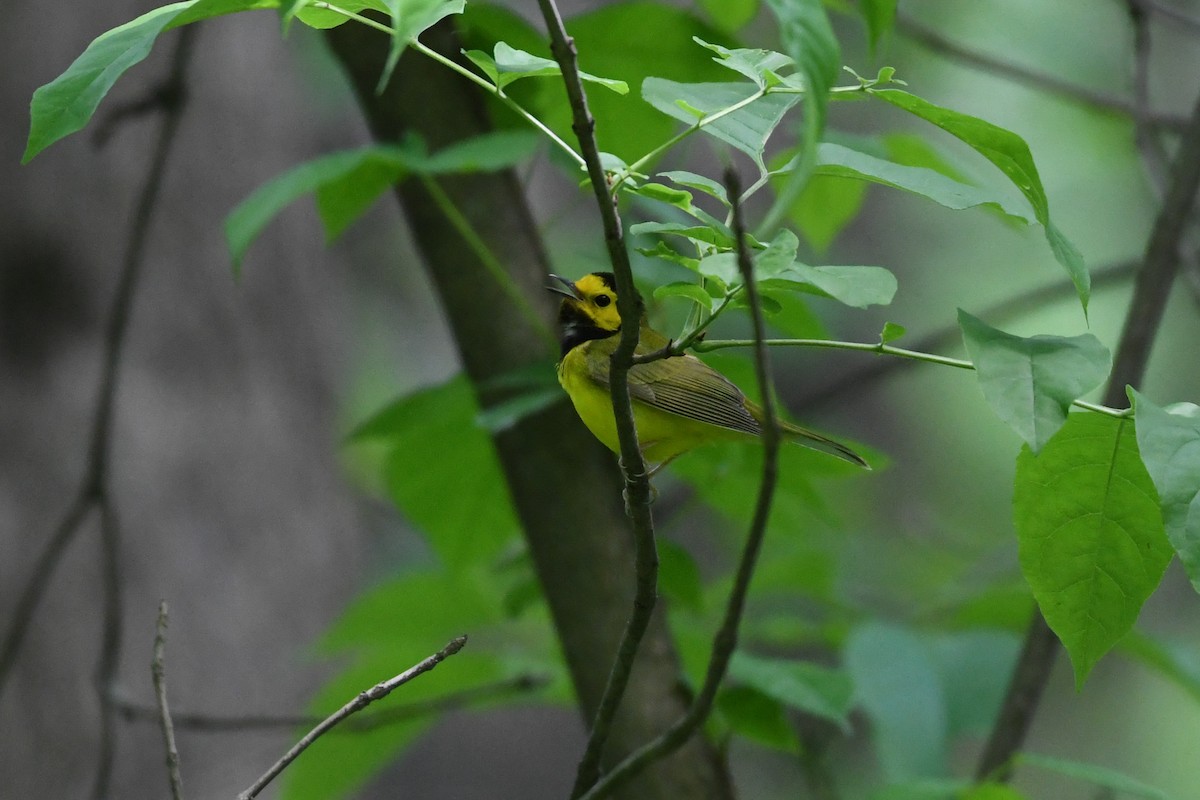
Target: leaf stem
(886,350)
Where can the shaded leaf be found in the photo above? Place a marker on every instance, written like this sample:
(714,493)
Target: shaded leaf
(880,16)
(730,15)
(1100,776)
(679,578)
(1170,448)
(760,66)
(699,182)
(898,687)
(1010,154)
(824,692)
(692,291)
(757,717)
(1031,383)
(1092,545)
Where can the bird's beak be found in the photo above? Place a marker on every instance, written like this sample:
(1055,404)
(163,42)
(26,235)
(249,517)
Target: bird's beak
(567,288)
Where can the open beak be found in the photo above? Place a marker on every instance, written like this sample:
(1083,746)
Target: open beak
(567,289)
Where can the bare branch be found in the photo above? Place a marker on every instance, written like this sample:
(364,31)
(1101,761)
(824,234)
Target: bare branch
(361,701)
(1142,321)
(361,723)
(158,670)
(725,641)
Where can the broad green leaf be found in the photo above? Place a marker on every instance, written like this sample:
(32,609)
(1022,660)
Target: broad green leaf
(692,291)
(411,18)
(825,207)
(1010,154)
(760,66)
(992,791)
(1031,383)
(840,161)
(66,104)
(322,18)
(1090,533)
(879,15)
(507,65)
(486,152)
(461,503)
(384,631)
(824,692)
(923,789)
(794,319)
(757,717)
(730,15)
(507,413)
(287,12)
(679,578)
(252,215)
(898,687)
(1170,448)
(974,668)
(747,128)
(663,251)
(1100,776)
(855,286)
(1178,661)
(664,194)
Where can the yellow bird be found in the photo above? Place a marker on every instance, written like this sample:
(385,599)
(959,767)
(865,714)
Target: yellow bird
(678,403)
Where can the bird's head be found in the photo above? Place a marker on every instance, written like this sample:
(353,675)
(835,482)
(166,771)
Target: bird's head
(588,310)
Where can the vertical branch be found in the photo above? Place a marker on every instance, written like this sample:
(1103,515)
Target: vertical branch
(158,671)
(725,641)
(637,482)
(1151,289)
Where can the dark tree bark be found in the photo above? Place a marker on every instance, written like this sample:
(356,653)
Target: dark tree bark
(564,485)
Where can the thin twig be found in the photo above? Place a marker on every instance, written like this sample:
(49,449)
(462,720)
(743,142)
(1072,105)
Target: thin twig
(1142,322)
(637,481)
(725,641)
(110,646)
(361,701)
(938,43)
(158,671)
(362,723)
(947,335)
(93,487)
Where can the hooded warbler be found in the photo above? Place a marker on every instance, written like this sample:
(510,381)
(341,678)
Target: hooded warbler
(678,402)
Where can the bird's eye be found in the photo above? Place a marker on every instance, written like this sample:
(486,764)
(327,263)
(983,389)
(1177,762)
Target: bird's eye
(603,300)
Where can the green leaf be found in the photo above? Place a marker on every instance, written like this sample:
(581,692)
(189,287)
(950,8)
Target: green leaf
(825,207)
(992,791)
(923,789)
(730,15)
(1170,448)
(747,129)
(411,18)
(679,578)
(1031,383)
(507,413)
(880,16)
(760,66)
(369,165)
(663,251)
(1090,533)
(1091,773)
(664,194)
(66,104)
(891,332)
(840,161)
(692,291)
(487,152)
(507,65)
(287,12)
(821,691)
(858,287)
(808,38)
(757,717)
(699,233)
(974,669)
(700,182)
(1178,661)
(323,18)
(460,501)
(1010,154)
(898,687)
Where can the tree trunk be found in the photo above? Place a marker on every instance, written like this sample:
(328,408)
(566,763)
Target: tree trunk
(564,484)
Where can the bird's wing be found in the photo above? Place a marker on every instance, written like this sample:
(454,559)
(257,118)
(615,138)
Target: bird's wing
(686,386)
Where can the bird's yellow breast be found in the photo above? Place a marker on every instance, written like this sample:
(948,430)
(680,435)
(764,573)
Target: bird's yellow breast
(661,434)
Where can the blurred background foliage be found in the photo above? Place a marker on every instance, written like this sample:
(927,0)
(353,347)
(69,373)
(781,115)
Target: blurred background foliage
(888,605)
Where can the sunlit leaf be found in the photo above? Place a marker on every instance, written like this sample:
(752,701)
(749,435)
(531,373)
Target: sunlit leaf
(891,332)
(411,18)
(323,18)
(507,65)
(760,66)
(1170,448)
(700,182)
(1031,383)
(1092,545)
